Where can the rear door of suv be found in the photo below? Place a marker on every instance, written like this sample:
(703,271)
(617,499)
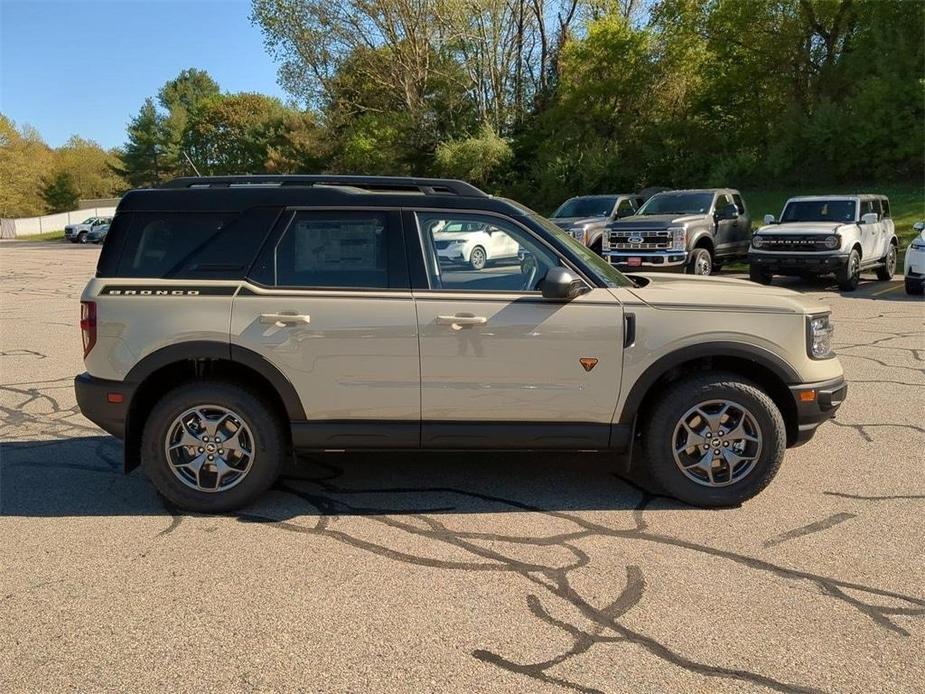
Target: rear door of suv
(329,303)
(502,367)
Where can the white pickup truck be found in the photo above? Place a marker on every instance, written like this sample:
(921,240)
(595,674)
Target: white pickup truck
(827,234)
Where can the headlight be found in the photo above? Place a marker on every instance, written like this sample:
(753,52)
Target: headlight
(918,246)
(832,242)
(578,232)
(757,241)
(819,338)
(678,238)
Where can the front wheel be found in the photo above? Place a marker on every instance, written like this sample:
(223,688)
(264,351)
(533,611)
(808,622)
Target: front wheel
(82,237)
(478,258)
(760,274)
(848,275)
(714,440)
(886,271)
(700,262)
(211,446)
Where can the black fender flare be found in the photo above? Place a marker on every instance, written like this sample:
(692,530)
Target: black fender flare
(209,349)
(759,355)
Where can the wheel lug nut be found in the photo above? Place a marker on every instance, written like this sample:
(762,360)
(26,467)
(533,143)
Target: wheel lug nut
(726,443)
(221,451)
(206,439)
(201,449)
(716,451)
(721,432)
(211,457)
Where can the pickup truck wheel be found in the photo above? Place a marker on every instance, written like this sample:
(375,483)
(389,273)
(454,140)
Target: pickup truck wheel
(760,274)
(83,237)
(848,275)
(714,440)
(700,262)
(212,447)
(477,258)
(886,271)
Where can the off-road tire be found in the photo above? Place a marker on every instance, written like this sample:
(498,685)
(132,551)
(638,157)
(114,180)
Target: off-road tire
(760,274)
(848,275)
(681,396)
(478,259)
(700,262)
(269,445)
(886,271)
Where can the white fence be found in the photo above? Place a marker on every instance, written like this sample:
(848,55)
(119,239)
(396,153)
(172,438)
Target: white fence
(30,226)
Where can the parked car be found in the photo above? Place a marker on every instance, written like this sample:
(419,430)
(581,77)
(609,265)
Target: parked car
(78,232)
(915,262)
(229,324)
(827,234)
(473,244)
(694,231)
(586,216)
(97,234)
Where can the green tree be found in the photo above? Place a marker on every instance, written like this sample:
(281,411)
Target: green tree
(145,156)
(235,133)
(24,160)
(478,159)
(179,98)
(60,193)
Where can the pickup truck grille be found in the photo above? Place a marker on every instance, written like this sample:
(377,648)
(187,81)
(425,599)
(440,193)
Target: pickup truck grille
(794,242)
(629,240)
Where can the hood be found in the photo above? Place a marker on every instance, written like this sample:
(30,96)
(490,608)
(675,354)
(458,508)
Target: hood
(691,292)
(567,222)
(803,228)
(656,221)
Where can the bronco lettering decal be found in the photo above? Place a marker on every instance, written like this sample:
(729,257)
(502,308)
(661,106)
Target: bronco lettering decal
(166,290)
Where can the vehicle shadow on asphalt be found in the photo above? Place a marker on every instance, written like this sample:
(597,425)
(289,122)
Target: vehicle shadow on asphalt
(869,288)
(83,477)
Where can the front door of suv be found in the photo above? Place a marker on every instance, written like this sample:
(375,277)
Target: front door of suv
(502,367)
(329,304)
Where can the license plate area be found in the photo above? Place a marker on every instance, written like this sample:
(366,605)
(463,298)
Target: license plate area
(634,261)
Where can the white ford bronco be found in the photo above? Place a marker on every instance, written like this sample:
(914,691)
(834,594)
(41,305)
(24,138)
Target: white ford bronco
(234,321)
(827,234)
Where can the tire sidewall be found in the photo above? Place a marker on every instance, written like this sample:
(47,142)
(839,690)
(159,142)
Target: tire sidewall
(473,255)
(677,401)
(268,441)
(692,262)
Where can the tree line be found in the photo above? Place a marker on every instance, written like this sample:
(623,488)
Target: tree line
(543,99)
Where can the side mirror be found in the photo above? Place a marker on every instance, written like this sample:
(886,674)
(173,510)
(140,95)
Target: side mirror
(730,211)
(919,226)
(561,284)
(870,218)
(769,219)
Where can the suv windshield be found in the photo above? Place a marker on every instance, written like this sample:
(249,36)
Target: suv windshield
(819,211)
(89,220)
(586,207)
(677,203)
(593,263)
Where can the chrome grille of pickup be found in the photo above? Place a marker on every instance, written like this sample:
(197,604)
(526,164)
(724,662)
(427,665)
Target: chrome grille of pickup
(793,242)
(642,240)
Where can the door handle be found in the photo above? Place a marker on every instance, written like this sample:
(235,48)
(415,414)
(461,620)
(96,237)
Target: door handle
(285,318)
(461,320)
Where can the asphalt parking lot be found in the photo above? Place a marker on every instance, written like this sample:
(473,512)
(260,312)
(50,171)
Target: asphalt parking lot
(459,573)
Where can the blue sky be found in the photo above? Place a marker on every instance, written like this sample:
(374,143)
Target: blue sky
(76,67)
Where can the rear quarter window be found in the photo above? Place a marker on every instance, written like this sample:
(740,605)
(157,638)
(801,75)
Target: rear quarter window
(182,245)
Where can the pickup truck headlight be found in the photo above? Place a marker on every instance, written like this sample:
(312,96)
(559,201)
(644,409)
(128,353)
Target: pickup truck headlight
(678,238)
(757,241)
(605,240)
(832,242)
(819,337)
(578,232)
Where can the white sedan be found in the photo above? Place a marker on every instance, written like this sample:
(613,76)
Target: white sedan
(915,262)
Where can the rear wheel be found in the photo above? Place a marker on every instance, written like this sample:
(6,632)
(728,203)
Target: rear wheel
(211,446)
(700,262)
(714,440)
(477,259)
(848,275)
(886,271)
(760,274)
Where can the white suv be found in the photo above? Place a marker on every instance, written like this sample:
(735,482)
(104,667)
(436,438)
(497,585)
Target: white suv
(915,262)
(473,244)
(827,234)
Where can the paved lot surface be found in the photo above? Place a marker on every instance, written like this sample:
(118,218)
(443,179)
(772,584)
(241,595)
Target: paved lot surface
(465,573)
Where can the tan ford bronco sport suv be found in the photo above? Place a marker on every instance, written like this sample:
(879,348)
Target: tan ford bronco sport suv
(234,321)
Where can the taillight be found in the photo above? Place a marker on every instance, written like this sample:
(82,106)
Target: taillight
(88,325)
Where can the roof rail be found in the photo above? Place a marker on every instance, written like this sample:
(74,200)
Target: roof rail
(394,184)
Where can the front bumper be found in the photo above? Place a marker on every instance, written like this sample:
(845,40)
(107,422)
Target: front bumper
(95,398)
(668,260)
(827,397)
(785,263)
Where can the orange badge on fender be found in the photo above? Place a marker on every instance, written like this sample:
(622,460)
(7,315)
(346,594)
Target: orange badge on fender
(588,362)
